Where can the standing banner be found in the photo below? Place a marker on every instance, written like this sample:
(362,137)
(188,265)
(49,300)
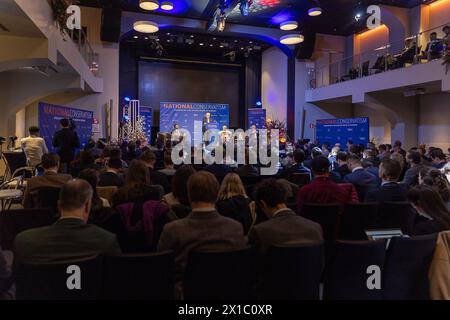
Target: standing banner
(257,117)
(334,131)
(49,117)
(147,114)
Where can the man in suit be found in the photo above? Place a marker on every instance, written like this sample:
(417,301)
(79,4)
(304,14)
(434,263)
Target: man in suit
(342,167)
(156,177)
(414,159)
(66,141)
(438,158)
(112,177)
(70,237)
(315,152)
(360,178)
(322,189)
(204,228)
(390,190)
(50,179)
(284,227)
(297,167)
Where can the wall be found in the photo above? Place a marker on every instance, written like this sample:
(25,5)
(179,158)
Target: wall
(274,83)
(380,127)
(439,13)
(328,50)
(434,124)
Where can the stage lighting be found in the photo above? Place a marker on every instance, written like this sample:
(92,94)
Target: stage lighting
(292,39)
(244,6)
(149,4)
(167,5)
(259,104)
(127,99)
(289,25)
(146,26)
(314,12)
(358,16)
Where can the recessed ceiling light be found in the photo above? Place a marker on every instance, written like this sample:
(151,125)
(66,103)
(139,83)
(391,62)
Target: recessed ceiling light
(202,44)
(167,5)
(146,26)
(168,33)
(314,12)
(136,37)
(289,25)
(146,38)
(211,45)
(149,4)
(192,35)
(292,39)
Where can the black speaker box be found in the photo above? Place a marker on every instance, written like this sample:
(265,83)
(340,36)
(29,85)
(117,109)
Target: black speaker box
(111,23)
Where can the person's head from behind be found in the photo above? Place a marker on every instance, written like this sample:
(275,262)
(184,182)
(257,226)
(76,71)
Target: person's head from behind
(382,148)
(397,145)
(397,156)
(115,153)
(34,131)
(179,185)
(231,186)
(65,123)
(413,157)
(354,149)
(369,153)
(437,155)
(299,156)
(426,199)
(433,36)
(91,176)
(320,166)
(335,150)
(436,179)
(137,175)
(341,158)
(114,165)
(149,158)
(203,190)
(50,162)
(86,157)
(168,163)
(390,170)
(75,199)
(316,152)
(354,162)
(270,195)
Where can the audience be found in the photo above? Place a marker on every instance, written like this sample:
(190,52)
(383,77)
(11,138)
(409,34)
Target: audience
(91,177)
(438,158)
(390,189)
(342,166)
(234,203)
(50,179)
(70,237)
(414,160)
(434,178)
(158,178)
(169,169)
(359,177)
(247,170)
(85,160)
(297,167)
(66,141)
(112,176)
(34,147)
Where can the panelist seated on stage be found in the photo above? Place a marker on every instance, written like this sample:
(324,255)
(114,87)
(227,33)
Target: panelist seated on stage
(225,134)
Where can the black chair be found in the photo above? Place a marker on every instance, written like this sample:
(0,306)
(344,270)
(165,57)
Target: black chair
(12,222)
(300,179)
(356,218)
(59,280)
(326,215)
(293,273)
(14,161)
(405,273)
(226,275)
(46,198)
(346,275)
(139,277)
(397,215)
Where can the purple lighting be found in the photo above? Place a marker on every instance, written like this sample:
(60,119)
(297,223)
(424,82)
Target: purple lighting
(281,17)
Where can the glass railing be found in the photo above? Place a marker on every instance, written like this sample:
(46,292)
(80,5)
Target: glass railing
(89,55)
(390,56)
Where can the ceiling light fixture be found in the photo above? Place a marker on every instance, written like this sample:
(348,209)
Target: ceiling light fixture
(289,25)
(292,39)
(314,12)
(146,26)
(149,4)
(167,5)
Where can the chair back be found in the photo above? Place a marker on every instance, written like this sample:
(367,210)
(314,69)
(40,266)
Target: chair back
(293,273)
(397,215)
(405,273)
(107,193)
(326,215)
(64,280)
(346,276)
(356,218)
(46,198)
(13,222)
(14,160)
(221,275)
(300,179)
(139,277)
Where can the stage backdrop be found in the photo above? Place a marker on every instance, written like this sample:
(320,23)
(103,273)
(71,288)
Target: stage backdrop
(49,116)
(334,131)
(147,113)
(257,116)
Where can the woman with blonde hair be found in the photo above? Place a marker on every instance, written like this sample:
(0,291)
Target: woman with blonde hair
(234,203)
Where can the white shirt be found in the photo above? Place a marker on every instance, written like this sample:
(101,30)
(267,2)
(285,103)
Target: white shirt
(34,148)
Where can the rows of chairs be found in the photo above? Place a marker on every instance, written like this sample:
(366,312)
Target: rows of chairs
(290,273)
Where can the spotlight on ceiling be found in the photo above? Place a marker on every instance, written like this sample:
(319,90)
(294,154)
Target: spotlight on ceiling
(289,25)
(167,5)
(314,12)
(244,6)
(358,16)
(146,26)
(292,39)
(149,4)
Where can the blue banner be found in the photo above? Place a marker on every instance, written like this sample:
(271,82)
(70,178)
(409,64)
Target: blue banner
(49,117)
(334,131)
(257,117)
(147,114)
(191,116)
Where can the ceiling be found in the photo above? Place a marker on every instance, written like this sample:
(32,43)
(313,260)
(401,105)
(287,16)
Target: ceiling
(14,22)
(337,18)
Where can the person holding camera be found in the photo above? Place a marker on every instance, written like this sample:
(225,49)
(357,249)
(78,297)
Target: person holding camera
(66,141)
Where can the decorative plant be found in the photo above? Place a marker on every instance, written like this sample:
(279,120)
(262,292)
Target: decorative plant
(282,128)
(59,8)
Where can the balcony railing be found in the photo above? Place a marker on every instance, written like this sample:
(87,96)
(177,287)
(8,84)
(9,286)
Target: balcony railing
(79,37)
(389,56)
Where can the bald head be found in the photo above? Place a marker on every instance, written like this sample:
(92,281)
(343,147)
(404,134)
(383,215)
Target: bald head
(75,199)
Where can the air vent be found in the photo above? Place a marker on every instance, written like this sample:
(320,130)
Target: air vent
(3,28)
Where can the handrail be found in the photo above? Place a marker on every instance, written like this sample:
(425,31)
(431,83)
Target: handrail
(86,50)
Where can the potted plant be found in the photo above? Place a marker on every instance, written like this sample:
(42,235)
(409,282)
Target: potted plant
(59,8)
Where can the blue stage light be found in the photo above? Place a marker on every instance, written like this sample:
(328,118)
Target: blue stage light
(127,99)
(259,103)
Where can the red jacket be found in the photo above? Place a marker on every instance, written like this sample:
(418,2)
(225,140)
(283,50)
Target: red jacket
(323,190)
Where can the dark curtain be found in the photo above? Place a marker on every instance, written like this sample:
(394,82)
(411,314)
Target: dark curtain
(252,82)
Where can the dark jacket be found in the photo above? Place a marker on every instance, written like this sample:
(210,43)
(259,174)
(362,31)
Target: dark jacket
(424,226)
(48,180)
(342,170)
(411,177)
(219,170)
(237,208)
(296,168)
(390,191)
(247,170)
(110,179)
(66,141)
(138,194)
(68,238)
(160,179)
(286,228)
(363,182)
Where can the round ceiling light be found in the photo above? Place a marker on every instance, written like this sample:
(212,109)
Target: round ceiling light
(292,39)
(314,12)
(289,25)
(149,4)
(146,26)
(167,5)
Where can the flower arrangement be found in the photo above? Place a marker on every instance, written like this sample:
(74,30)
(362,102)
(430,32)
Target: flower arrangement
(282,128)
(59,8)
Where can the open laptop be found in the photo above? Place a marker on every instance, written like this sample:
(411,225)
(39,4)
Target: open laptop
(384,234)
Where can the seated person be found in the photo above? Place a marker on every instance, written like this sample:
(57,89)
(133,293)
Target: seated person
(34,147)
(390,189)
(112,176)
(169,169)
(70,237)
(360,178)
(407,55)
(341,166)
(157,178)
(434,47)
(297,167)
(438,158)
(414,160)
(322,189)
(248,169)
(91,176)
(284,227)
(50,179)
(204,229)
(85,160)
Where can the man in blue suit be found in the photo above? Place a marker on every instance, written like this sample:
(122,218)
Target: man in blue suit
(360,178)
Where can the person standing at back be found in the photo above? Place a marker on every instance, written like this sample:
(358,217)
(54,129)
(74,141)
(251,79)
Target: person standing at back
(34,147)
(66,141)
